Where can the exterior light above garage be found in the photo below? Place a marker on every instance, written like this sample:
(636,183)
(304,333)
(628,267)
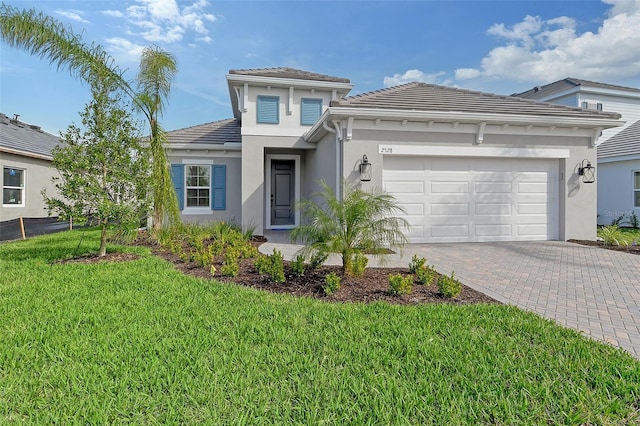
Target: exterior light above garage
(588,172)
(365,169)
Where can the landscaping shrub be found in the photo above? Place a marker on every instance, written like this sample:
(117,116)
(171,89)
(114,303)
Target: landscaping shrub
(612,236)
(449,286)
(230,266)
(331,283)
(426,275)
(317,259)
(271,265)
(298,266)
(400,284)
(416,264)
(358,265)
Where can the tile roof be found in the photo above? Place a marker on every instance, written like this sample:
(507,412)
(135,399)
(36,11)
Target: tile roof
(428,97)
(293,73)
(539,92)
(217,132)
(19,136)
(626,142)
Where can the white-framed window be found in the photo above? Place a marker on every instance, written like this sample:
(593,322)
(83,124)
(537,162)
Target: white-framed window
(198,185)
(12,186)
(636,189)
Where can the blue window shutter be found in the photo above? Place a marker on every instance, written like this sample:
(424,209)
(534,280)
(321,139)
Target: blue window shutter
(268,109)
(218,187)
(177,176)
(310,111)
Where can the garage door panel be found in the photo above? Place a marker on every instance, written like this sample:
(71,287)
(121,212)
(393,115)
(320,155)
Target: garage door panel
(449,187)
(491,209)
(405,187)
(493,187)
(447,231)
(500,230)
(475,199)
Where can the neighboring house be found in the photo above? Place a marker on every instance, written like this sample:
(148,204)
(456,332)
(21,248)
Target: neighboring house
(25,160)
(618,166)
(467,166)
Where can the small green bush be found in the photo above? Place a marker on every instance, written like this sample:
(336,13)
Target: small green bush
(416,264)
(317,259)
(230,266)
(331,283)
(271,265)
(298,266)
(449,286)
(400,284)
(612,236)
(358,265)
(426,275)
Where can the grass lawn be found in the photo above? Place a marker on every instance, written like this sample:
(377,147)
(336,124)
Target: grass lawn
(138,342)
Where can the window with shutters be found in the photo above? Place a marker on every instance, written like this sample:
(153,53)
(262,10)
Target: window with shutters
(268,109)
(198,179)
(310,111)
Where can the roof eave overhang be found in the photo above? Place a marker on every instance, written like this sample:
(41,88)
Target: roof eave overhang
(227,146)
(26,153)
(337,113)
(288,82)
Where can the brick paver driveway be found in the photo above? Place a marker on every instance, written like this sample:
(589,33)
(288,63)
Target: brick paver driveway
(594,290)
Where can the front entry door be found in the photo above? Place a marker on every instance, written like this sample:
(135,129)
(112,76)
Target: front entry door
(282,192)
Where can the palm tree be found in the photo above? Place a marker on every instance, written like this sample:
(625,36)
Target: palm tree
(364,222)
(43,36)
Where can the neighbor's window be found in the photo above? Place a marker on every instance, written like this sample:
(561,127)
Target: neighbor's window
(636,189)
(12,186)
(198,186)
(310,110)
(268,109)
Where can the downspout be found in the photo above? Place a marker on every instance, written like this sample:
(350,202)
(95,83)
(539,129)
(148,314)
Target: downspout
(339,141)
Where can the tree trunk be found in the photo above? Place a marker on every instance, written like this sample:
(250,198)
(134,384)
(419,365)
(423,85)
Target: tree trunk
(103,240)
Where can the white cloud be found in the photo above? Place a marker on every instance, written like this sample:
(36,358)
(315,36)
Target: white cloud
(416,75)
(165,21)
(546,50)
(74,15)
(124,50)
(113,13)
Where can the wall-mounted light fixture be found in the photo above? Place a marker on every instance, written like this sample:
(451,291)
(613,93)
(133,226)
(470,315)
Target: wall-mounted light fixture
(365,169)
(587,171)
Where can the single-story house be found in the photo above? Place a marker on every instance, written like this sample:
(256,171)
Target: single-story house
(466,166)
(25,160)
(618,163)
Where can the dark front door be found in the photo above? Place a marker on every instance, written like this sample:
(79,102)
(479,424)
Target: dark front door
(282,192)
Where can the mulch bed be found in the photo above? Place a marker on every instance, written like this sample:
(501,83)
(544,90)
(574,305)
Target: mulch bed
(372,286)
(627,249)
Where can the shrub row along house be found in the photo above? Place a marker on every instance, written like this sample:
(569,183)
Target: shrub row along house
(466,166)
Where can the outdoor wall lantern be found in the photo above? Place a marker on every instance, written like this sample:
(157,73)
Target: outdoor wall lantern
(365,169)
(588,172)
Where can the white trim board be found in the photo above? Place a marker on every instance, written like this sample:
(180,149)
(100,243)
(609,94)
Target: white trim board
(455,151)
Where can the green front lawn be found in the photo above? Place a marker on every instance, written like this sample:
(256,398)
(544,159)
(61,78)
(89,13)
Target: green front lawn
(138,342)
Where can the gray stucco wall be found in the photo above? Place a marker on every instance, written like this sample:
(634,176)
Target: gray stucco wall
(38,174)
(615,190)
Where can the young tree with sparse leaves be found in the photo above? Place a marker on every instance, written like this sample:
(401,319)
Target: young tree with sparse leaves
(104,172)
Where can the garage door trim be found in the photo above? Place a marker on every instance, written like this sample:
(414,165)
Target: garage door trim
(455,151)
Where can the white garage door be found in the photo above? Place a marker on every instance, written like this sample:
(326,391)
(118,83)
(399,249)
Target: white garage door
(461,199)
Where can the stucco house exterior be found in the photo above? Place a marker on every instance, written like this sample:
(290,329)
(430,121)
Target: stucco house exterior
(25,161)
(618,165)
(466,166)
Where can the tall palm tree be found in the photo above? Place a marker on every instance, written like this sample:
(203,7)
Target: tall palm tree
(43,36)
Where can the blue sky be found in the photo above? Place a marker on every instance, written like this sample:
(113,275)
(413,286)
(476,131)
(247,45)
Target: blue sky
(493,46)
